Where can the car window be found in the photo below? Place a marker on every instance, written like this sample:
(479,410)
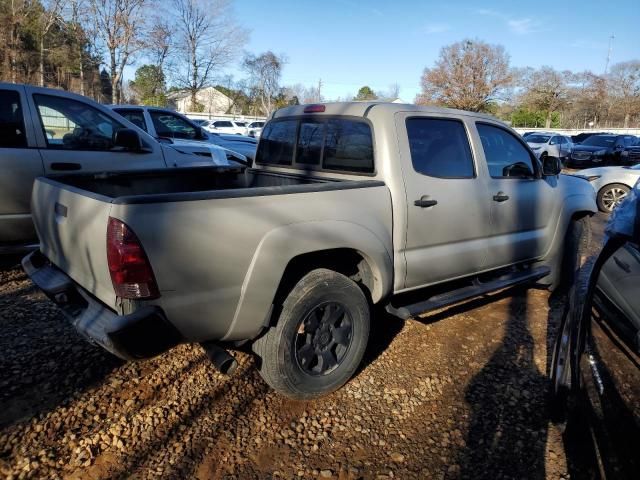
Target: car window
(348,146)
(600,141)
(554,141)
(72,125)
(12,132)
(310,141)
(134,116)
(172,126)
(533,138)
(628,141)
(241,124)
(276,144)
(506,156)
(440,148)
(222,124)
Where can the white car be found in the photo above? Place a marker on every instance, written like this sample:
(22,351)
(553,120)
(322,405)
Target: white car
(254,129)
(550,144)
(226,126)
(612,184)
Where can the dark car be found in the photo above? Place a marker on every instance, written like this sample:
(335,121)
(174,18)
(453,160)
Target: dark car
(600,151)
(581,137)
(595,370)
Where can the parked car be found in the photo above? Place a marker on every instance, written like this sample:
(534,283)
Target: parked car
(601,150)
(225,126)
(581,137)
(47,132)
(245,145)
(595,369)
(254,129)
(291,254)
(612,184)
(198,121)
(171,126)
(545,144)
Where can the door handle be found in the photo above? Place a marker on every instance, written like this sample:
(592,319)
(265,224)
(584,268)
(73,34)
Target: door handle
(500,197)
(424,202)
(65,166)
(623,265)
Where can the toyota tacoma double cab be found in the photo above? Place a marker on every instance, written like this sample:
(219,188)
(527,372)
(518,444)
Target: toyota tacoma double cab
(347,206)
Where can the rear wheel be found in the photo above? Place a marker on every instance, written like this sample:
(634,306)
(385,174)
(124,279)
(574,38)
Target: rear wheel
(610,196)
(319,338)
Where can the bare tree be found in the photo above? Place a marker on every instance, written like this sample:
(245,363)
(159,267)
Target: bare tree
(119,24)
(159,42)
(19,11)
(264,75)
(52,13)
(545,89)
(207,38)
(625,86)
(468,75)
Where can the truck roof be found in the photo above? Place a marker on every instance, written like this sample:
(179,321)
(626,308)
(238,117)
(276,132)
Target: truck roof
(361,109)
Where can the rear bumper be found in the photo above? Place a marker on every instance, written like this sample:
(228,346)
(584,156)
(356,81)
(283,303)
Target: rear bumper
(141,334)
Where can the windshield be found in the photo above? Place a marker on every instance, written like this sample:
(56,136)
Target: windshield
(537,138)
(600,141)
(241,124)
(635,167)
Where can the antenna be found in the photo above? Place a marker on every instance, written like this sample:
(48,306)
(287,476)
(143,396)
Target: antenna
(606,66)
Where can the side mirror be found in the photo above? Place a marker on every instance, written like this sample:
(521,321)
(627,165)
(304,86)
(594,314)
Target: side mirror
(128,140)
(551,166)
(201,134)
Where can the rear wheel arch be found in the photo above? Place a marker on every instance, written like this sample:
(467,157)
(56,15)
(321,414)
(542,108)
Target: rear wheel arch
(349,262)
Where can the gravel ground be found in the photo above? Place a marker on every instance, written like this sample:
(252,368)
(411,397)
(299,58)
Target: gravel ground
(457,394)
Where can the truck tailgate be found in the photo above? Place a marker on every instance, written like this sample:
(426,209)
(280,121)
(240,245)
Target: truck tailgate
(72,227)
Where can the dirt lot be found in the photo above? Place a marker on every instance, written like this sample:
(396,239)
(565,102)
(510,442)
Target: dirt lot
(458,394)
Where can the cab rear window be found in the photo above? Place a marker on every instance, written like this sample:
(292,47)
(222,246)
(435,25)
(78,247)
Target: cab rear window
(336,144)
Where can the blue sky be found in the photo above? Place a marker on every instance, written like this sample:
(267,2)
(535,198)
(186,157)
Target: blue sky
(351,43)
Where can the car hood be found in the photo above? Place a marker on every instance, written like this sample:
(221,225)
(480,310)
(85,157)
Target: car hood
(535,145)
(599,171)
(219,155)
(588,148)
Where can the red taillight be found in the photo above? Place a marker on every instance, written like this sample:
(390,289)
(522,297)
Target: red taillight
(130,270)
(314,108)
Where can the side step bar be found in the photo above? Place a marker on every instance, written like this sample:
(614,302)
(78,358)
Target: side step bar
(477,289)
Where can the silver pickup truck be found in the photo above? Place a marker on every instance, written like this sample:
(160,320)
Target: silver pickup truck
(346,206)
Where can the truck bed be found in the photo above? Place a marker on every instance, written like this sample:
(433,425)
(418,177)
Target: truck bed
(156,185)
(206,233)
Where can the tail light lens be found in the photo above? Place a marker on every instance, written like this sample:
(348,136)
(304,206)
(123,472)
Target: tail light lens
(130,270)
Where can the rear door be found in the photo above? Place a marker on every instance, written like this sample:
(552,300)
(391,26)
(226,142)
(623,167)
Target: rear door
(20,163)
(447,208)
(74,135)
(524,205)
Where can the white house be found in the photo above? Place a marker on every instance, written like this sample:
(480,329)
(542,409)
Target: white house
(213,101)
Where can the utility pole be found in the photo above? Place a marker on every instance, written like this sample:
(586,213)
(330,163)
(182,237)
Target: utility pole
(606,66)
(319,90)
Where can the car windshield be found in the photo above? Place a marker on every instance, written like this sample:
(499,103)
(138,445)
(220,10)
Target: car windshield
(241,124)
(537,138)
(600,141)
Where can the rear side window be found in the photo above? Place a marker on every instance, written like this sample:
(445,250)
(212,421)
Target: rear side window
(506,156)
(310,141)
(134,116)
(12,133)
(276,144)
(348,146)
(222,124)
(440,148)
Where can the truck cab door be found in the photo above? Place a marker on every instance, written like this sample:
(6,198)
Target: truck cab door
(75,135)
(447,212)
(524,205)
(20,163)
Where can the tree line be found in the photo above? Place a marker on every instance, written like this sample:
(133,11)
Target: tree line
(476,76)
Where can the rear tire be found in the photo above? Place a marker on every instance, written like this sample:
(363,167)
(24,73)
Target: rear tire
(610,196)
(319,338)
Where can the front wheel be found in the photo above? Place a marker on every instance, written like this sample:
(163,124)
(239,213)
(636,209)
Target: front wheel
(610,196)
(319,338)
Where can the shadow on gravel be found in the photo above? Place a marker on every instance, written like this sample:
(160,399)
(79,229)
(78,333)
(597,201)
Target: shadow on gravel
(176,430)
(508,421)
(43,362)
(384,328)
